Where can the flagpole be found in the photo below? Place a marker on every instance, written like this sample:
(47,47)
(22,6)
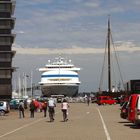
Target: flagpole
(31,82)
(19,86)
(25,76)
(23,89)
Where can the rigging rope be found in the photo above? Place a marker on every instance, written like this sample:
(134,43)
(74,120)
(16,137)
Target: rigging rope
(117,62)
(103,67)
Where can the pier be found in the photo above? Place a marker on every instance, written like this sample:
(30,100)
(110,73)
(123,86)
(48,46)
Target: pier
(85,122)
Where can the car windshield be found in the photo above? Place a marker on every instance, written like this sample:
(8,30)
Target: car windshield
(124,105)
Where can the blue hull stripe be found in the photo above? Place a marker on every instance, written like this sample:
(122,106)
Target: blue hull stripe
(59,75)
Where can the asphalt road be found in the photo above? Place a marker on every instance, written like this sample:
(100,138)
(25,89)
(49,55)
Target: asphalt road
(91,122)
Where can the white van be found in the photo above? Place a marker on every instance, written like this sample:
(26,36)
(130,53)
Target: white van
(137,111)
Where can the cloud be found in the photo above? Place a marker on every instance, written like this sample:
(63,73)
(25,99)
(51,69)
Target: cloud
(20,32)
(64,23)
(119,47)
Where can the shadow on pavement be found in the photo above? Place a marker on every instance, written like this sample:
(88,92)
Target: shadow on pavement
(133,126)
(124,122)
(130,124)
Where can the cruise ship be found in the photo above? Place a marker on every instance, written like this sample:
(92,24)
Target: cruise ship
(59,77)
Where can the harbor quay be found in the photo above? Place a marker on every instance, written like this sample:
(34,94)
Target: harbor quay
(85,122)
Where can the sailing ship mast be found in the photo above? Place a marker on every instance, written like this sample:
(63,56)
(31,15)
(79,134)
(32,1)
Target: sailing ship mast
(109,64)
(108,52)
(109,59)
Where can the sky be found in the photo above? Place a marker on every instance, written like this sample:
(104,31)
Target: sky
(76,29)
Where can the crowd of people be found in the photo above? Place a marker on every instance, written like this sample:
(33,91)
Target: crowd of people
(43,106)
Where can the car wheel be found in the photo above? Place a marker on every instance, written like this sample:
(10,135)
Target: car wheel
(2,112)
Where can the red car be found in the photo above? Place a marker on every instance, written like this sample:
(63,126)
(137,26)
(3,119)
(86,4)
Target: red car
(124,99)
(132,106)
(106,100)
(124,110)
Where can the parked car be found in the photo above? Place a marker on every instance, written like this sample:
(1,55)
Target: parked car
(102,100)
(14,103)
(4,107)
(137,111)
(124,99)
(93,99)
(124,110)
(132,106)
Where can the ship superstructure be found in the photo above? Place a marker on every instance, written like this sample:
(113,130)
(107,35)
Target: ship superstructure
(60,76)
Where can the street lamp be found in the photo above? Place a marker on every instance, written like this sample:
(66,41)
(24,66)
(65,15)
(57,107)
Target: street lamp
(33,85)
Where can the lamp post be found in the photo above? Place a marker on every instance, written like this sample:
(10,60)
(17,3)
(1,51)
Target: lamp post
(25,76)
(33,85)
(19,86)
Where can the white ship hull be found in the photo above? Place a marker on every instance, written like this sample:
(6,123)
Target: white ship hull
(66,90)
(60,77)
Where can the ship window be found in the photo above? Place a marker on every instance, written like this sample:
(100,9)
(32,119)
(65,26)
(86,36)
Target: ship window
(59,79)
(58,67)
(59,75)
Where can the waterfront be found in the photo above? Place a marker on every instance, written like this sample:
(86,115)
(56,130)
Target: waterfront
(85,123)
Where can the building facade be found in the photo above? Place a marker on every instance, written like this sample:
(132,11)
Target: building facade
(7,23)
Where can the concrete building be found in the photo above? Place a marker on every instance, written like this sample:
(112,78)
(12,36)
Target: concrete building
(7,23)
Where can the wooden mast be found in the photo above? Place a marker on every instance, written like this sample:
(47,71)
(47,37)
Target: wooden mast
(109,63)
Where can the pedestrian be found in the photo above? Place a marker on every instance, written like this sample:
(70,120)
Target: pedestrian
(25,104)
(44,107)
(21,109)
(15,104)
(32,109)
(40,106)
(36,104)
(88,100)
(51,105)
(64,108)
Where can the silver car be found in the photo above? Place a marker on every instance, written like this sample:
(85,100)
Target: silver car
(4,108)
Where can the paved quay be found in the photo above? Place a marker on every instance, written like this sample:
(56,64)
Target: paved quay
(91,122)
